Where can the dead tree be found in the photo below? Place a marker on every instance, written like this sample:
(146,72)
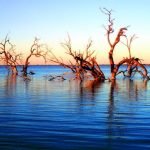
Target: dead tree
(8,56)
(129,43)
(133,63)
(37,50)
(130,66)
(110,30)
(84,62)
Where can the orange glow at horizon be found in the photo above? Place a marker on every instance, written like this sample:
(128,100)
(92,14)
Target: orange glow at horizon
(138,49)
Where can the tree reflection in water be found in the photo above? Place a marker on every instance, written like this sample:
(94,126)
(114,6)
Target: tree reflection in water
(90,88)
(10,85)
(101,112)
(120,93)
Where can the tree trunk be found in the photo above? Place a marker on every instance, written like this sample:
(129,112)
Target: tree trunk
(24,70)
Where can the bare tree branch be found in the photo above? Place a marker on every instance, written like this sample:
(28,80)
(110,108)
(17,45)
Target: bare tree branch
(129,42)
(8,55)
(37,50)
(84,62)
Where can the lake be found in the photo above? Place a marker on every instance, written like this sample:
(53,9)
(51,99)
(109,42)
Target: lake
(46,115)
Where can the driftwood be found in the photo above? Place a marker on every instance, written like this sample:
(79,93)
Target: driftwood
(58,77)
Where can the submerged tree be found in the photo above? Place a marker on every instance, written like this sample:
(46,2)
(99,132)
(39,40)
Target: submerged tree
(133,64)
(84,63)
(36,50)
(9,56)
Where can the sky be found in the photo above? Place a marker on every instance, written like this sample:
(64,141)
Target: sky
(52,20)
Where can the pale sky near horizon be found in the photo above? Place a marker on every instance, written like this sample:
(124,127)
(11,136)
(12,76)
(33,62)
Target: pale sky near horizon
(51,20)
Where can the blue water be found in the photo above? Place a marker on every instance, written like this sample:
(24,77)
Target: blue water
(44,115)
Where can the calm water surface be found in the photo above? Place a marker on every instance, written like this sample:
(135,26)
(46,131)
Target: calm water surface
(42,114)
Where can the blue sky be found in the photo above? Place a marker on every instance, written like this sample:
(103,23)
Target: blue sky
(51,20)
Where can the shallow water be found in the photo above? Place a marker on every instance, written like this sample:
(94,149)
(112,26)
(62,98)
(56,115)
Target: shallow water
(42,114)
